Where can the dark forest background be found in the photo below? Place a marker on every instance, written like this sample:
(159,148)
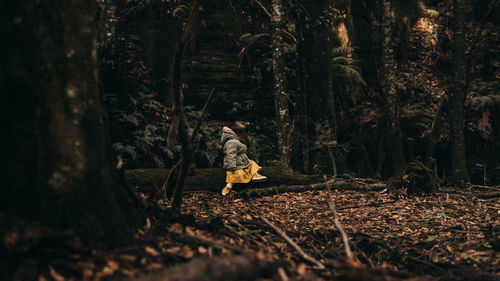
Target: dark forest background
(335,83)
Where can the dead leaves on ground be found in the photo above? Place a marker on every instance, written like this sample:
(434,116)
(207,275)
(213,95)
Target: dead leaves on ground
(420,234)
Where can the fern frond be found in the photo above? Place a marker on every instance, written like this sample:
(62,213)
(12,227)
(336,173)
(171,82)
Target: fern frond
(485,101)
(344,60)
(350,73)
(342,51)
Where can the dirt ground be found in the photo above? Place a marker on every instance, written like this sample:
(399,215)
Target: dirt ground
(450,235)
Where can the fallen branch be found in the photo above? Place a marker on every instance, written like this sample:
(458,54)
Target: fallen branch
(336,221)
(239,267)
(484,186)
(489,195)
(304,255)
(374,204)
(205,242)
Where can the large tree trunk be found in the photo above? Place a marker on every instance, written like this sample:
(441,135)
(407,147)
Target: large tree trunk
(392,104)
(459,172)
(283,122)
(59,168)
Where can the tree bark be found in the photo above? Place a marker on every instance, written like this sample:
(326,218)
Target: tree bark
(392,100)
(59,168)
(459,172)
(283,122)
(434,133)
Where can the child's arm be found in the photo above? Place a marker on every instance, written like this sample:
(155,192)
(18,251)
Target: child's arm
(230,157)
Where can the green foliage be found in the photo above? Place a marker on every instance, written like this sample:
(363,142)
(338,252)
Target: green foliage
(417,178)
(415,119)
(249,38)
(138,130)
(484,102)
(342,51)
(344,65)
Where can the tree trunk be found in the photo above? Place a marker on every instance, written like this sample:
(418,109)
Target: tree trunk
(59,168)
(178,98)
(459,172)
(283,122)
(434,133)
(392,101)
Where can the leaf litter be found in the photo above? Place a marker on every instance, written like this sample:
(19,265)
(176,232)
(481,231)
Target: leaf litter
(441,236)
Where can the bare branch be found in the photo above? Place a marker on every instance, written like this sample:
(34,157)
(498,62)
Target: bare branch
(336,221)
(304,255)
(263,8)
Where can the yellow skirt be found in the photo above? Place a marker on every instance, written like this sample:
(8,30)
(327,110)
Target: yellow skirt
(243,175)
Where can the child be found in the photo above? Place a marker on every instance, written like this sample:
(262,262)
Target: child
(239,169)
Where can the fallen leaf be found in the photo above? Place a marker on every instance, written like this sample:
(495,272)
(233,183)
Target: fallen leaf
(202,250)
(54,274)
(113,265)
(151,251)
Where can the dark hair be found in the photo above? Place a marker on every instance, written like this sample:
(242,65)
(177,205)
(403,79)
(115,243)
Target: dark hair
(240,127)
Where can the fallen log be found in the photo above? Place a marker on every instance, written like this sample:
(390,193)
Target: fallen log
(489,195)
(221,268)
(213,179)
(336,183)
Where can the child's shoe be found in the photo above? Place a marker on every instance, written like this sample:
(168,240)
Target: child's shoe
(226,190)
(259,178)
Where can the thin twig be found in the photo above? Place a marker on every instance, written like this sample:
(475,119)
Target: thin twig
(289,34)
(282,274)
(283,235)
(263,8)
(202,113)
(336,221)
(484,186)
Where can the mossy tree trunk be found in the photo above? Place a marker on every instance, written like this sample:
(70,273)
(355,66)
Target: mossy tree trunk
(459,172)
(59,169)
(283,122)
(392,101)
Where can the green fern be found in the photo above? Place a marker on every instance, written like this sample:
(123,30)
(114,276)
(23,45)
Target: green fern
(485,101)
(350,72)
(342,51)
(344,60)
(344,64)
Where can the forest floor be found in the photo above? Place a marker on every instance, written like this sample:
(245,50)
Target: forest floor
(449,235)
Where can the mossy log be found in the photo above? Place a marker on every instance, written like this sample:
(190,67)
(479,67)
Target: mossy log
(213,179)
(336,183)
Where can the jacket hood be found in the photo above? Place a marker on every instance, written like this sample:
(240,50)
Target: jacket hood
(227,134)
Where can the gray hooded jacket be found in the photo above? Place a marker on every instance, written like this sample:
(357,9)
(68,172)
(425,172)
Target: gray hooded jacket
(235,157)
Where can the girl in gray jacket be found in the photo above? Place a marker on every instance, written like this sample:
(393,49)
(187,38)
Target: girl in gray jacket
(239,169)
